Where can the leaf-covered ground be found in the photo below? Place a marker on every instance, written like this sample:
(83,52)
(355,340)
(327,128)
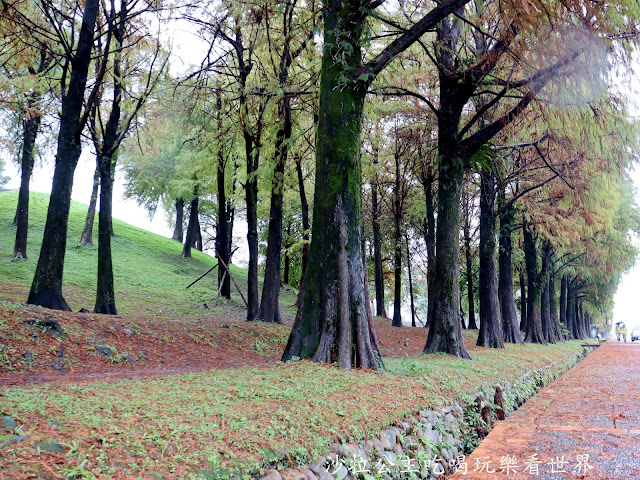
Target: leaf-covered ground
(207,394)
(235,420)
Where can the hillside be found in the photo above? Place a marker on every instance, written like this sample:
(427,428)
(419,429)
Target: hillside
(146,266)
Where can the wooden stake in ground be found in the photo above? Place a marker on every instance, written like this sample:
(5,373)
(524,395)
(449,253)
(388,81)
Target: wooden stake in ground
(233,280)
(203,275)
(224,276)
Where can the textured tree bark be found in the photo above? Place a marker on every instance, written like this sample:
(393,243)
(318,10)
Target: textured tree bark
(397,250)
(269,309)
(466,229)
(178,234)
(87,232)
(510,324)
(46,289)
(490,334)
(445,333)
(534,327)
(334,321)
(548,331)
(21,220)
(193,225)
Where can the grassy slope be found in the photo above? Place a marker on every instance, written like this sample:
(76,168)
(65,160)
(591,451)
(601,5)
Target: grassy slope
(179,425)
(147,267)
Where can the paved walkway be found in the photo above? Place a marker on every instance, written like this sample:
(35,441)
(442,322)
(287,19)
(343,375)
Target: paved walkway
(585,425)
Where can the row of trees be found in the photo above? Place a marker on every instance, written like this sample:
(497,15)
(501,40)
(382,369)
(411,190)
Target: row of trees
(90,68)
(491,119)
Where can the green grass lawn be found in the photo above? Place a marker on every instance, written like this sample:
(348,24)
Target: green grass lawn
(225,422)
(150,274)
(218,422)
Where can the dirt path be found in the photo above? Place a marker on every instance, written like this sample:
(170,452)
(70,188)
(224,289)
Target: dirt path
(586,425)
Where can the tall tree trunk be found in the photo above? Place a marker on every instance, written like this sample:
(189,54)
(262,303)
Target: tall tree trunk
(445,334)
(490,334)
(523,300)
(334,321)
(223,244)
(466,229)
(177,230)
(306,227)
(563,301)
(510,324)
(193,225)
(548,331)
(46,289)
(429,236)
(251,198)
(197,244)
(287,256)
(381,310)
(21,220)
(105,293)
(269,309)
(553,307)
(534,327)
(87,232)
(397,251)
(413,308)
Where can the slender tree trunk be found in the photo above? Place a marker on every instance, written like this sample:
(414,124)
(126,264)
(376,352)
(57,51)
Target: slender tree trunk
(510,324)
(177,231)
(223,245)
(523,301)
(490,334)
(198,240)
(193,225)
(46,289)
(251,198)
(563,301)
(413,308)
(469,264)
(534,327)
(105,293)
(269,309)
(381,310)
(548,330)
(87,232)
(397,251)
(306,227)
(21,220)
(287,256)
(429,237)
(334,321)
(553,307)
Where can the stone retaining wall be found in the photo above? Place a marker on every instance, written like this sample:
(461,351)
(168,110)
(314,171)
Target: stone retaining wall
(431,443)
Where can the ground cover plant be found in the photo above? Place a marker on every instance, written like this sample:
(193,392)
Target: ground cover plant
(235,421)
